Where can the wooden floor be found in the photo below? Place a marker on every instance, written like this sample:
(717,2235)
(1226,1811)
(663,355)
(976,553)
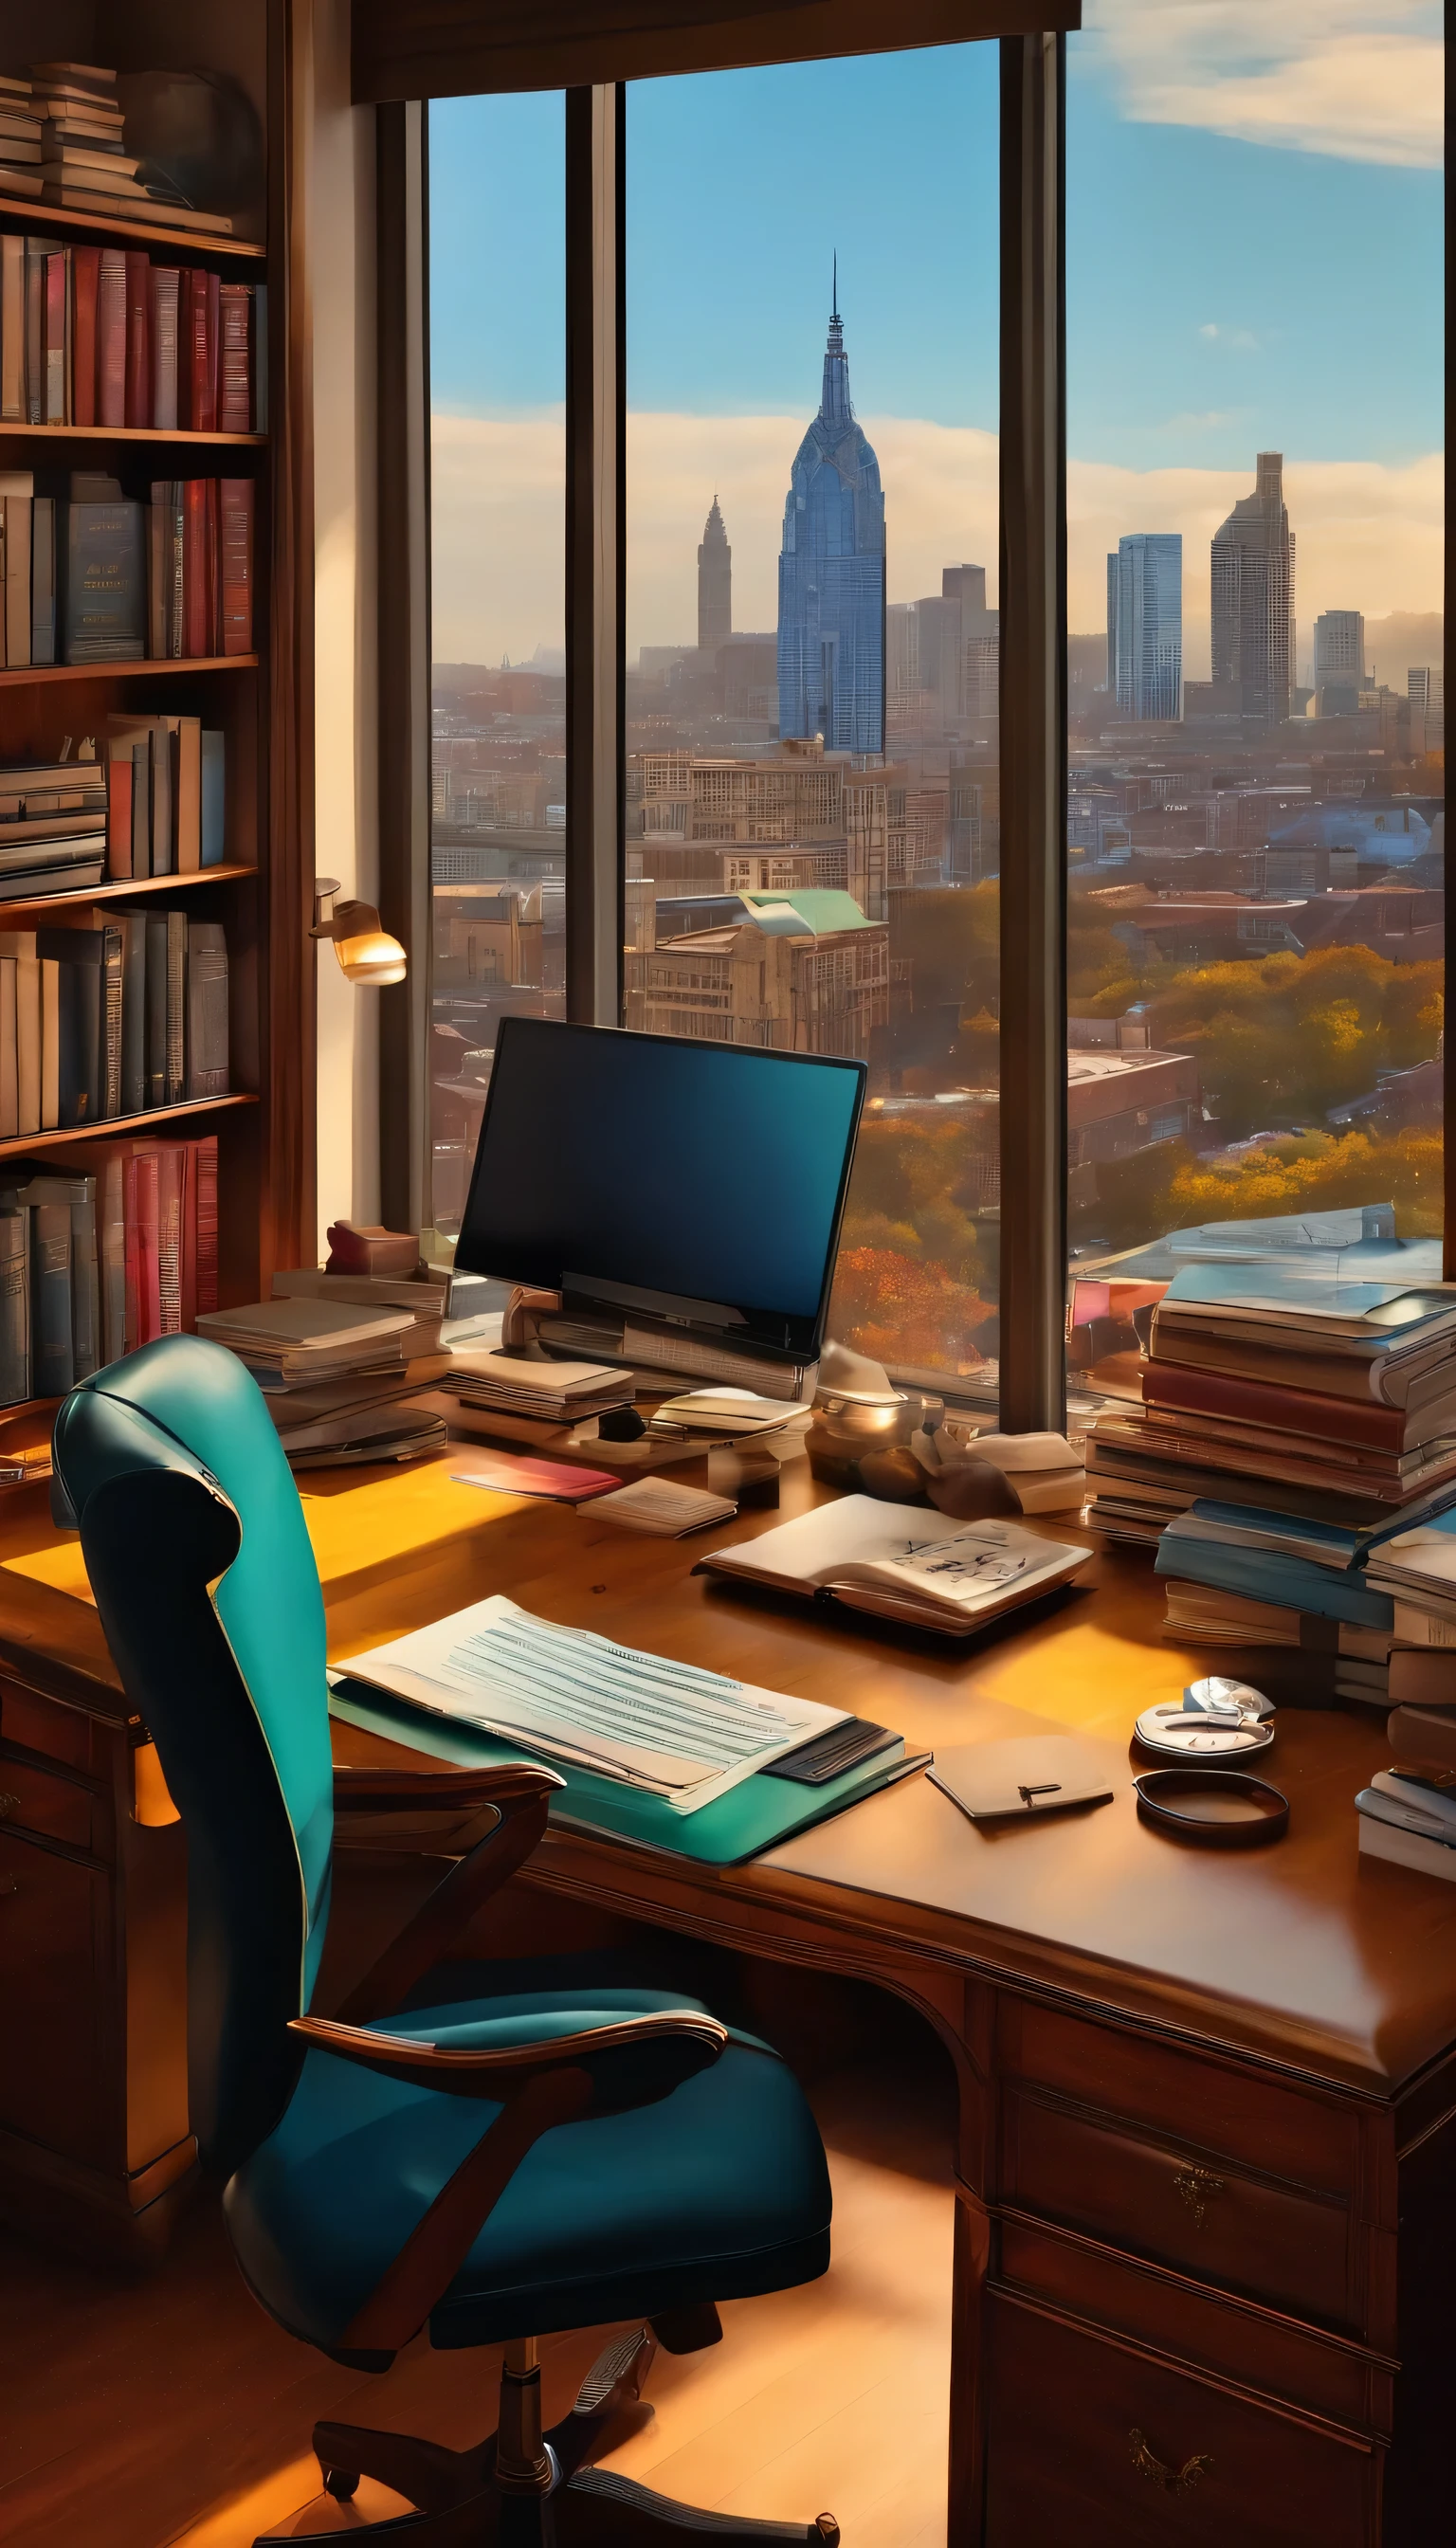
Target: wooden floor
(132,2415)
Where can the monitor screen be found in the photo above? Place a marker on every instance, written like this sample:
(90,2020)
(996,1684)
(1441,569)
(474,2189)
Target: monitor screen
(700,1183)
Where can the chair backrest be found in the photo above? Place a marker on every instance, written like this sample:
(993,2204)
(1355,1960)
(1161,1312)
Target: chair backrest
(169,1464)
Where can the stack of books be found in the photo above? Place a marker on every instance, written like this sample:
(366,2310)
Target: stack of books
(52,828)
(1292,1421)
(111,338)
(557,1393)
(110,1021)
(101,1250)
(338,1377)
(64,140)
(1408,1813)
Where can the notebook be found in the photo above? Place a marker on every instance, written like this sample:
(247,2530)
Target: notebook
(921,1568)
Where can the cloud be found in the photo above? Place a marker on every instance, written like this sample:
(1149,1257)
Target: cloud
(1356,79)
(1241,339)
(1368,536)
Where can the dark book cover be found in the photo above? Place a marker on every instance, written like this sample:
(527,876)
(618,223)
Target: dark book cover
(207,1009)
(133,926)
(142,808)
(86,271)
(139,337)
(235,562)
(101,554)
(52,1365)
(213,797)
(112,981)
(77,953)
(176,1007)
(157,1008)
(15,1308)
(42,579)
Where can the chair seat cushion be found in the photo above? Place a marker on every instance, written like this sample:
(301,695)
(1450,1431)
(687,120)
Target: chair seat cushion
(717,2191)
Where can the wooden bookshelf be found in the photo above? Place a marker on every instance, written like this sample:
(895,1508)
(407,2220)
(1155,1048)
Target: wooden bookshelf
(154,667)
(262,701)
(123,889)
(26,1146)
(18,212)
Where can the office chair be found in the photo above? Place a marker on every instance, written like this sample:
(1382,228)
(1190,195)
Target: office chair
(562,2153)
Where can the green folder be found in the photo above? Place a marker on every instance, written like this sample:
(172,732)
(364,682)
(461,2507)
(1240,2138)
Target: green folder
(755,1815)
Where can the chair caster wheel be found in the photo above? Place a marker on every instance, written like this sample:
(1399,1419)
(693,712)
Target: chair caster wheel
(341,2483)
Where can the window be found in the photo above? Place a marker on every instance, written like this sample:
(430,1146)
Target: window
(1256,747)
(812,808)
(497,478)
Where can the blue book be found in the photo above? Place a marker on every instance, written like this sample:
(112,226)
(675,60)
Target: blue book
(1362,1315)
(1289,1582)
(214,781)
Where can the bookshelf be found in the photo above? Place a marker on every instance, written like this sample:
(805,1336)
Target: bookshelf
(262,702)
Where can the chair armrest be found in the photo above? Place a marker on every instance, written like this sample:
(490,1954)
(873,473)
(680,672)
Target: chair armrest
(626,2062)
(398,1807)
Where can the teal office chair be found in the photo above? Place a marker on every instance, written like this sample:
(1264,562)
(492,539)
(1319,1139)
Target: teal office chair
(561,2153)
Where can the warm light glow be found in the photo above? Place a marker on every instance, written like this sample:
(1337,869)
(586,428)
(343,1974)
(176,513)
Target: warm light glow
(371,959)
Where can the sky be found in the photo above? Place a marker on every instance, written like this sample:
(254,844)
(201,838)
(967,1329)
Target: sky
(1254,262)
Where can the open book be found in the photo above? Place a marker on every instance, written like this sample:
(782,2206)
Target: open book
(919,1566)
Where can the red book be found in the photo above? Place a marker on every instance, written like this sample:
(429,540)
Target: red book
(215,349)
(87,285)
(234,362)
(235,545)
(204,1219)
(1359,1422)
(144,1292)
(201,404)
(215,570)
(118,818)
(138,339)
(195,631)
(111,338)
(171,1176)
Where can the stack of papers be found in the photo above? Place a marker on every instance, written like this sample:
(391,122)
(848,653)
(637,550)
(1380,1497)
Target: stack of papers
(663,1511)
(288,1344)
(562,1393)
(725,1411)
(1410,1819)
(667,1728)
(425,1302)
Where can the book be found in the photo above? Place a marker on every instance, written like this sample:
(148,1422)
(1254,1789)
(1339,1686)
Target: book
(682,1734)
(86,294)
(236,563)
(19,948)
(920,1568)
(207,1010)
(163,324)
(425,1302)
(53,1368)
(1200,1442)
(661,1509)
(177,1006)
(12,329)
(119,814)
(287,1343)
(133,926)
(15,1306)
(198,408)
(17,535)
(484,1376)
(1402,1847)
(1264,1304)
(76,1196)
(139,337)
(111,949)
(56,399)
(1423,1735)
(101,577)
(78,952)
(111,338)
(1357,1424)
(50,1042)
(156,924)
(42,579)
(1268,1573)
(196,616)
(234,362)
(9,1053)
(1424,1676)
(37,253)
(211,797)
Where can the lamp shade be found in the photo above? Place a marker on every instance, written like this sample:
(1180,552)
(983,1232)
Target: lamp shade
(368,957)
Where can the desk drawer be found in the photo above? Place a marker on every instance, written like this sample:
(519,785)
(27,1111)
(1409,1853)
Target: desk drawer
(58,1808)
(1219,2222)
(1092,2444)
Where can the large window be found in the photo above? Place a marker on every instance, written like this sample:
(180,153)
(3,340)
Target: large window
(812,810)
(497,478)
(1256,744)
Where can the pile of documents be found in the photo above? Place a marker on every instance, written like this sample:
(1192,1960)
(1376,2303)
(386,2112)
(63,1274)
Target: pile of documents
(338,1378)
(560,1392)
(1295,1416)
(1408,1813)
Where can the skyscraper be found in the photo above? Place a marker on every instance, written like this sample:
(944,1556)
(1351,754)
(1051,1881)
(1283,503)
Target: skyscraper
(1252,597)
(714,584)
(1340,662)
(831,577)
(1145,624)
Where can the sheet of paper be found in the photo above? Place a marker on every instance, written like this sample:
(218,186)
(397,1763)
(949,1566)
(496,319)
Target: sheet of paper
(685,1734)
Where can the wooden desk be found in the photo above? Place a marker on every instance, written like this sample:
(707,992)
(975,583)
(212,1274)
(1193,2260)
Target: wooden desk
(1205,2250)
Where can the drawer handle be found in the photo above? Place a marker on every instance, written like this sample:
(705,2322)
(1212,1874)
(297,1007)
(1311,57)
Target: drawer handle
(1199,2188)
(1172,2481)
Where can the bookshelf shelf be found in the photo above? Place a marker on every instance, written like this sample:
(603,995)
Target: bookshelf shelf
(32,214)
(21,1145)
(122,890)
(108,433)
(22,676)
(10,1414)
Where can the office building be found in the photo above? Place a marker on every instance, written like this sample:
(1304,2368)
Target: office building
(714,584)
(1340,662)
(1145,618)
(831,577)
(799,972)
(1252,600)
(1425,688)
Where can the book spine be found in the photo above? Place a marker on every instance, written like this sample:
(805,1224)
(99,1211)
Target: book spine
(207,1010)
(9,1052)
(101,548)
(236,387)
(110,1020)
(11,329)
(260,357)
(42,579)
(1364,1421)
(85,287)
(156,578)
(35,333)
(235,539)
(111,1240)
(111,338)
(51,1363)
(56,317)
(164,282)
(27,1043)
(139,348)
(202,410)
(169,1185)
(15,1308)
(195,567)
(213,285)
(85,1285)
(205,1160)
(18,511)
(177,1006)
(49,1044)
(142,808)
(149,1285)
(212,791)
(134,1012)
(215,572)
(161,802)
(157,1008)
(189,795)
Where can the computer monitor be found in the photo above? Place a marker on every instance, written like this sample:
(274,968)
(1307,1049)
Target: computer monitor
(698,1187)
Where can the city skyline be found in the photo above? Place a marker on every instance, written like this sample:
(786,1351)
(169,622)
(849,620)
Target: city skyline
(832,574)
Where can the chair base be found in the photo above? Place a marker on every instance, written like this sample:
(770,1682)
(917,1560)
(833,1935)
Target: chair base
(459,2504)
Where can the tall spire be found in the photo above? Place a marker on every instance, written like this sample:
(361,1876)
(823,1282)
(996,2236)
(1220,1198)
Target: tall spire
(834,403)
(834,295)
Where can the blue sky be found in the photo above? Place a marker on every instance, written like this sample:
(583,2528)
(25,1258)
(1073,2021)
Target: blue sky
(1224,295)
